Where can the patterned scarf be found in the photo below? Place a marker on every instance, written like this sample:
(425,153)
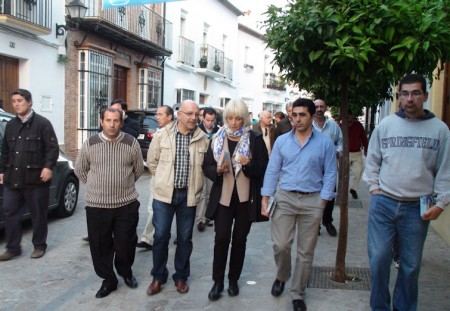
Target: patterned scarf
(242,148)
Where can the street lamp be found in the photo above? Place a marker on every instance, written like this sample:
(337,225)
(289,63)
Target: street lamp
(76,10)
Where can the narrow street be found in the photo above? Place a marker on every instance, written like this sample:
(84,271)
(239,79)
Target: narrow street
(64,278)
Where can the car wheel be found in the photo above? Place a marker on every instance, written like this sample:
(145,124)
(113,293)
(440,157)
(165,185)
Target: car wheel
(68,197)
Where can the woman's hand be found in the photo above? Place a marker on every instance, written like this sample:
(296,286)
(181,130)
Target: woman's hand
(244,160)
(222,168)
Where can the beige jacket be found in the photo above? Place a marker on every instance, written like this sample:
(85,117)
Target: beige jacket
(161,164)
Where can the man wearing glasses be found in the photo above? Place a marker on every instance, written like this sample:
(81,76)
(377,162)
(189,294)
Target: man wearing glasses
(408,158)
(175,160)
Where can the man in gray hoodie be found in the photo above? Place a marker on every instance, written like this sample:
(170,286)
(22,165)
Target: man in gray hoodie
(408,158)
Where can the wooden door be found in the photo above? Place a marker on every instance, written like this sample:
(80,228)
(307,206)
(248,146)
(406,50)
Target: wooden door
(9,81)
(120,82)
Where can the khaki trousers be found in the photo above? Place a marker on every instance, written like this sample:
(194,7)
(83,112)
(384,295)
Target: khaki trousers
(356,168)
(149,230)
(301,214)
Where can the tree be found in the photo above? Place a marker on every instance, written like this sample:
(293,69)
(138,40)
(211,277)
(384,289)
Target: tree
(350,52)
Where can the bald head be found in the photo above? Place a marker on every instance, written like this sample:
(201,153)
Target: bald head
(187,116)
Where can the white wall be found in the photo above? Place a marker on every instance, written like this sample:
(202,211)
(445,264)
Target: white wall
(39,71)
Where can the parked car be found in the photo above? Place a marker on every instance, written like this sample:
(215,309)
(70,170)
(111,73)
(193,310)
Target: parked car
(64,186)
(148,126)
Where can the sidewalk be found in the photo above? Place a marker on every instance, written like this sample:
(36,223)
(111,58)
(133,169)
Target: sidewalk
(64,279)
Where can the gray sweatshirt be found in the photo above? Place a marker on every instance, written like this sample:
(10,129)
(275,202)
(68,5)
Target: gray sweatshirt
(409,158)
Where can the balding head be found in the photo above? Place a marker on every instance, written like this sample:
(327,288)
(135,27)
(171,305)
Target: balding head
(187,116)
(265,118)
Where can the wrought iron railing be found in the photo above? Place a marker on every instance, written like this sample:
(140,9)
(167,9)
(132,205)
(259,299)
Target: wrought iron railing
(186,51)
(30,11)
(137,19)
(211,58)
(272,81)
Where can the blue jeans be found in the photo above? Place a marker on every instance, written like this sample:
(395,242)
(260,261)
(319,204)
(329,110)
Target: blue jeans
(162,221)
(390,219)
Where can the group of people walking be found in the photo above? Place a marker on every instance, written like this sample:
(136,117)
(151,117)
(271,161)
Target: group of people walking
(243,170)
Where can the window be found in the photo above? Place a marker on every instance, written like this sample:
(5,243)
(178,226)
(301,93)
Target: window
(95,80)
(223,101)
(183,94)
(149,88)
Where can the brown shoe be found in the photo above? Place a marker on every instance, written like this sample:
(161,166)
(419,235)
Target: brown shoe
(37,253)
(8,255)
(154,288)
(181,286)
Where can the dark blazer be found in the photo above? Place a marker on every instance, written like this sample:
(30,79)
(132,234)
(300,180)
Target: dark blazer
(283,127)
(255,170)
(257,128)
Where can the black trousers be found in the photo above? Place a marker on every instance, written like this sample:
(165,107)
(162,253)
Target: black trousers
(14,201)
(327,217)
(230,222)
(112,236)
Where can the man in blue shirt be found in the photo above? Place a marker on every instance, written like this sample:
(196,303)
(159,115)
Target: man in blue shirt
(301,175)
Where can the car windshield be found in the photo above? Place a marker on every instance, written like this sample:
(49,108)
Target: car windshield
(150,122)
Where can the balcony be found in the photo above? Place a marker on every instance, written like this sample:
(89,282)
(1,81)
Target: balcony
(186,54)
(136,27)
(31,16)
(211,62)
(273,82)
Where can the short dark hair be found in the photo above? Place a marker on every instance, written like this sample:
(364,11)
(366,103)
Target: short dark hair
(209,110)
(305,102)
(414,78)
(280,115)
(169,111)
(122,103)
(22,92)
(109,109)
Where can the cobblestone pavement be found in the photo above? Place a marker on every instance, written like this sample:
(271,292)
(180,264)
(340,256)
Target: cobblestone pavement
(64,278)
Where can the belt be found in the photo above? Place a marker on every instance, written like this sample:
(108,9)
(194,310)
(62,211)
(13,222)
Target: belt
(180,189)
(301,192)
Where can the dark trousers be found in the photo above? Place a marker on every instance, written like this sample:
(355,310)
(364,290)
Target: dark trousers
(36,201)
(112,236)
(225,230)
(327,217)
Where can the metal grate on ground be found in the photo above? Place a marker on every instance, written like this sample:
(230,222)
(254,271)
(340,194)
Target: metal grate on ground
(320,278)
(352,204)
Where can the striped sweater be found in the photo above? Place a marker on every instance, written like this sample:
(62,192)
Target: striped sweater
(110,169)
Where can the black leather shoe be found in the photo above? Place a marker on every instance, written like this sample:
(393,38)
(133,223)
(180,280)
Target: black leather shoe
(145,245)
(104,291)
(131,282)
(299,305)
(201,226)
(331,229)
(217,288)
(354,194)
(277,288)
(233,288)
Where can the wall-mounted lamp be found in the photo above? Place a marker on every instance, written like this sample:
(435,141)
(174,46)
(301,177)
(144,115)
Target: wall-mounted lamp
(76,10)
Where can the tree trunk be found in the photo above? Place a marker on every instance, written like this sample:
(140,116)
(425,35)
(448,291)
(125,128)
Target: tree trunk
(340,275)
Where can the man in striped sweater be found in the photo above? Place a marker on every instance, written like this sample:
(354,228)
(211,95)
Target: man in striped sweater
(109,163)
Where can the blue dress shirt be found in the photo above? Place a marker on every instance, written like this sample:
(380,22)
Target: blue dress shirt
(308,168)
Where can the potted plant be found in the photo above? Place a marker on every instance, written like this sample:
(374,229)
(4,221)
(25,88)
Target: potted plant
(203,62)
(216,67)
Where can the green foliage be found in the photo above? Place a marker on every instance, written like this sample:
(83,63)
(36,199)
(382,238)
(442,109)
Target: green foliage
(365,45)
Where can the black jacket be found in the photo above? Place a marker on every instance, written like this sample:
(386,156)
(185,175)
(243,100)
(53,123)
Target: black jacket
(255,171)
(27,148)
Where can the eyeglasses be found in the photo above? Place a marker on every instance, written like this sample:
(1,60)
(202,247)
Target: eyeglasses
(414,94)
(191,113)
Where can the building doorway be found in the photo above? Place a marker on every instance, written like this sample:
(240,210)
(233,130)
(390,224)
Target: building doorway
(120,82)
(9,81)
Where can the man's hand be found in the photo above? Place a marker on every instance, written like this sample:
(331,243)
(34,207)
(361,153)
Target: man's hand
(375,191)
(1,179)
(432,213)
(46,174)
(264,201)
